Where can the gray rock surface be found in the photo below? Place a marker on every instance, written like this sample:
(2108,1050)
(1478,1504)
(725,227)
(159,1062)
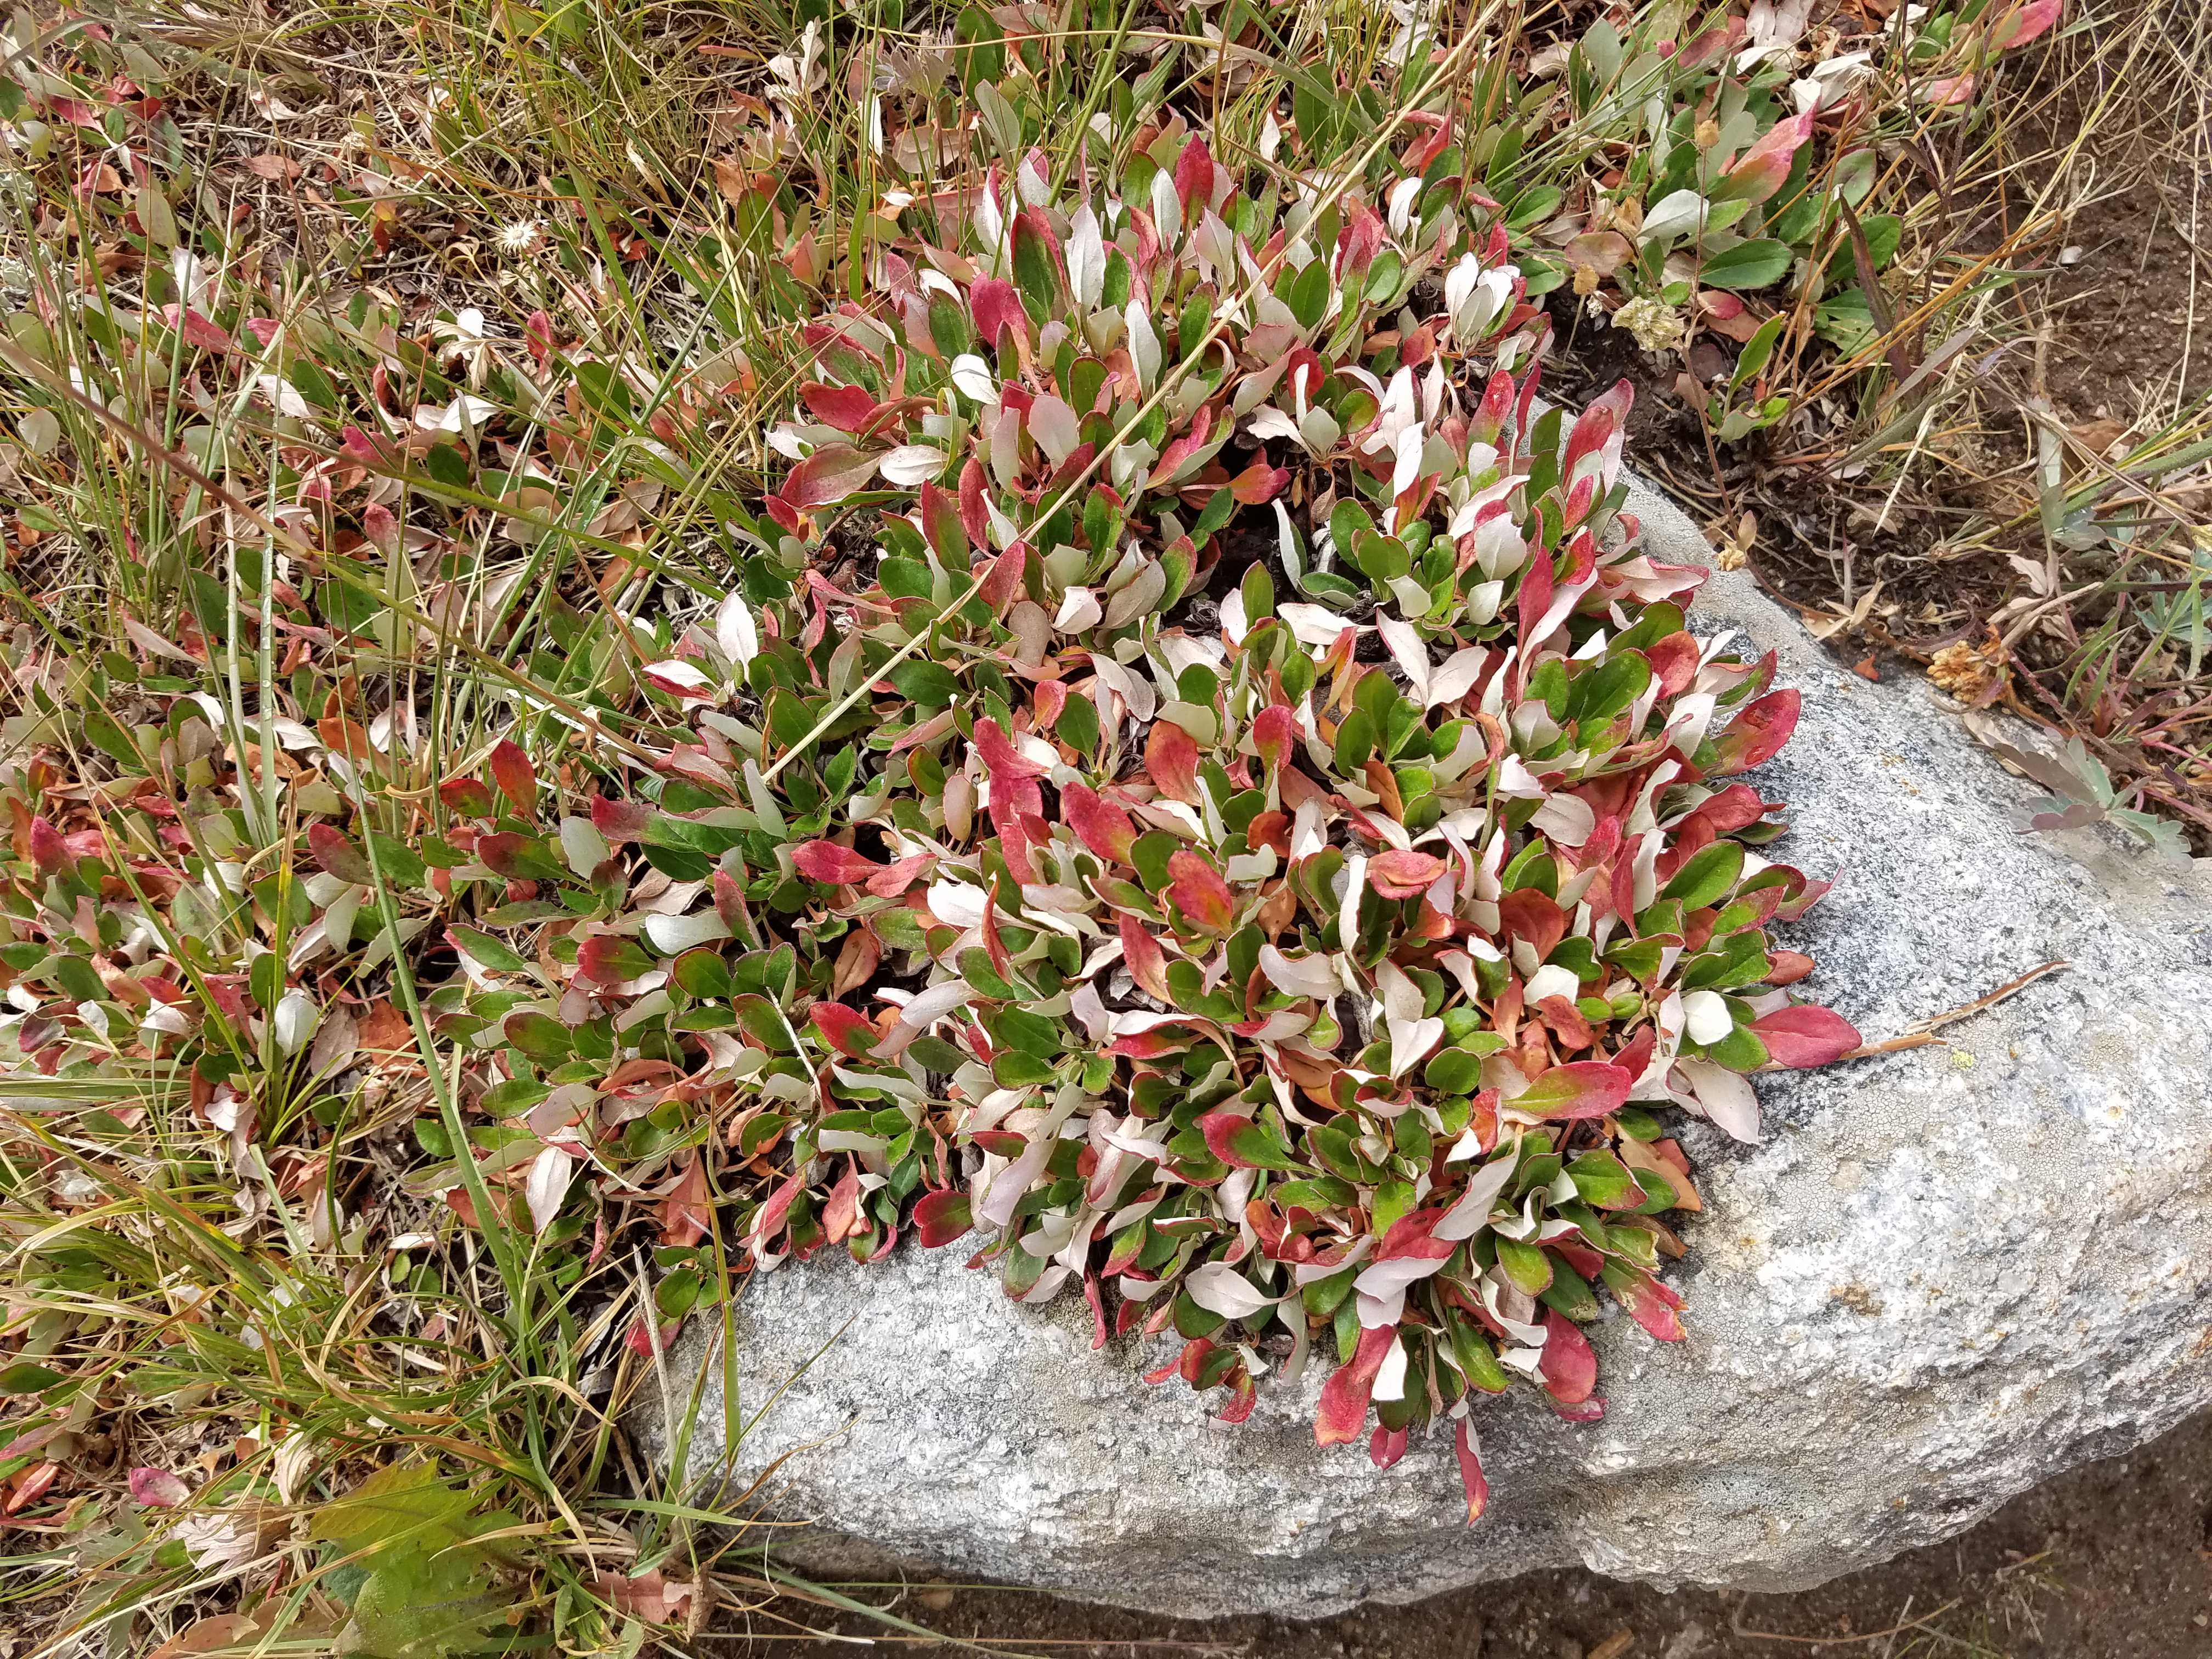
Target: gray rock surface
(1946,1273)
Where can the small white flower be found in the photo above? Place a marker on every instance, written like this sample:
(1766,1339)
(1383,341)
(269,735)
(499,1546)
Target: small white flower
(521,237)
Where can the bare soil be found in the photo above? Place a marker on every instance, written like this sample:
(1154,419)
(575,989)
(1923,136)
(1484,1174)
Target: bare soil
(2110,1561)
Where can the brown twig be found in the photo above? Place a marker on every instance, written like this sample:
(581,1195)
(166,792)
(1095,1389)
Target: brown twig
(1736,1625)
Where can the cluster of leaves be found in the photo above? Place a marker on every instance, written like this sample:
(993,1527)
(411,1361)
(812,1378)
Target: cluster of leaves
(1318,991)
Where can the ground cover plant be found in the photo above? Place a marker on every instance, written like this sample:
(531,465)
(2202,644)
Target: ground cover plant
(1012,649)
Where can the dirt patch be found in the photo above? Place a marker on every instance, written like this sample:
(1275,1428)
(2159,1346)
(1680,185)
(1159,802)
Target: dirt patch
(2108,1562)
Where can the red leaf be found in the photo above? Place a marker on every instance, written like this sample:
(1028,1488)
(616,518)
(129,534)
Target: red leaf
(1649,1304)
(1147,963)
(49,847)
(516,777)
(1764,168)
(845,407)
(1197,890)
(840,867)
(1805,1035)
(2024,23)
(158,1488)
(827,476)
(338,855)
(1588,1088)
(848,1029)
(1470,1473)
(941,1216)
(466,796)
(1194,177)
(610,959)
(620,820)
(1403,873)
(1568,1366)
(1242,1144)
(999,754)
(1385,1446)
(1344,1397)
(1103,827)
(1756,734)
(974,518)
(1274,729)
(1526,914)
(1095,1297)
(995,305)
(942,529)
(1171,761)
(893,880)
(1259,484)
(1008,574)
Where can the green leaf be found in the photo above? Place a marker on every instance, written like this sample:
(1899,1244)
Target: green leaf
(405,1503)
(1748,265)
(1711,871)
(27,1379)
(421,1605)
(927,682)
(494,953)
(1454,1072)
(107,734)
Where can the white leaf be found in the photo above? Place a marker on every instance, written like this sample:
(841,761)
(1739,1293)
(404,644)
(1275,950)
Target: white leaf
(1313,624)
(583,846)
(1300,976)
(1143,345)
(956,904)
(736,635)
(295,1021)
(1706,1016)
(673,935)
(1390,1375)
(1052,422)
(1566,819)
(1086,255)
(1727,1098)
(1406,646)
(1219,1288)
(1552,980)
(1468,1217)
(910,465)
(547,1184)
(1269,422)
(972,376)
(925,1009)
(1079,611)
(1456,677)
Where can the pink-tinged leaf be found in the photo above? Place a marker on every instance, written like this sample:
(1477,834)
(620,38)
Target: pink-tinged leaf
(1193,178)
(826,861)
(516,777)
(1568,1366)
(1171,761)
(974,516)
(941,1216)
(158,1489)
(1244,1395)
(1591,1410)
(1403,872)
(1470,1471)
(1007,578)
(2024,23)
(1274,730)
(1152,1045)
(1588,1088)
(1385,1446)
(1649,1304)
(827,476)
(1242,1144)
(894,880)
(49,847)
(1146,961)
(1197,892)
(620,820)
(338,855)
(1674,663)
(848,1030)
(1535,595)
(610,959)
(1259,484)
(1093,1294)
(1532,916)
(1762,170)
(1345,1397)
(1593,428)
(1805,1035)
(995,305)
(942,529)
(998,753)
(768,1219)
(1756,734)
(467,797)
(200,331)
(845,407)
(1104,828)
